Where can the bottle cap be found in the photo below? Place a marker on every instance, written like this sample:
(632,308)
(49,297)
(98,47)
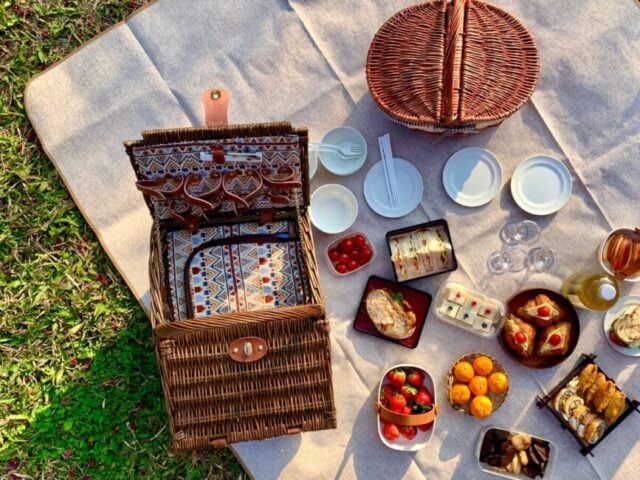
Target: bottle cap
(607,292)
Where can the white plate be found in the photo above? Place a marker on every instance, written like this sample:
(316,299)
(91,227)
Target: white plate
(611,315)
(335,163)
(472,176)
(410,189)
(333,208)
(541,185)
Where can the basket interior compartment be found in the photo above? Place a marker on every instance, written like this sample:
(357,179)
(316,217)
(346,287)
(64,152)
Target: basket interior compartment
(246,276)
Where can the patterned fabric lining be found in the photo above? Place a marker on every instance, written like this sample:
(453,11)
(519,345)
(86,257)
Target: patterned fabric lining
(184,158)
(238,277)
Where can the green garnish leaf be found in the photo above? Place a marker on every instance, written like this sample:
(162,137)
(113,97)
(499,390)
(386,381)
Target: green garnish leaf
(398,297)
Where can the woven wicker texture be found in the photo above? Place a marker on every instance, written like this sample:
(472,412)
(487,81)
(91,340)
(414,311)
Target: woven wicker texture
(447,65)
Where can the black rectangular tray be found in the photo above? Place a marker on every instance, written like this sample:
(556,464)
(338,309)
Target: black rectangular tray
(440,222)
(586,448)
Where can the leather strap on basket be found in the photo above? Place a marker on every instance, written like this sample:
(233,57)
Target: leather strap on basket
(452,63)
(406,420)
(278,186)
(216,103)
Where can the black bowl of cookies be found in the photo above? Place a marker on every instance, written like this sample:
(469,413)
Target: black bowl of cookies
(542,328)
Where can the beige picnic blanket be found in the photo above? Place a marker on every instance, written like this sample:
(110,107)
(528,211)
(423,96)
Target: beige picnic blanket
(303,61)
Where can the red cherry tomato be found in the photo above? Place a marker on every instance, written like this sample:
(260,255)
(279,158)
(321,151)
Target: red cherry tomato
(519,338)
(544,311)
(352,265)
(344,258)
(341,268)
(353,255)
(364,256)
(555,339)
(359,240)
(346,245)
(333,254)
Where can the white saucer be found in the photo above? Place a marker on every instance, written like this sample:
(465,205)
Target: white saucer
(611,315)
(472,176)
(410,189)
(334,162)
(541,185)
(333,208)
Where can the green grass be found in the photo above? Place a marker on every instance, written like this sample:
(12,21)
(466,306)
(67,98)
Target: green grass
(80,394)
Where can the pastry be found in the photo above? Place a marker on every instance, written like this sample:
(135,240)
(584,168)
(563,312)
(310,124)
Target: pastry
(541,311)
(615,407)
(603,396)
(625,329)
(482,324)
(473,303)
(390,313)
(597,384)
(449,309)
(456,295)
(586,377)
(593,429)
(466,316)
(554,340)
(489,311)
(520,336)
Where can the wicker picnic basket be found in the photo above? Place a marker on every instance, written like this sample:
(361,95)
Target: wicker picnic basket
(240,370)
(452,66)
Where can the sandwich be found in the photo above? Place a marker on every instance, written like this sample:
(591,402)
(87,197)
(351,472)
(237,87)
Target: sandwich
(625,329)
(554,340)
(541,311)
(390,313)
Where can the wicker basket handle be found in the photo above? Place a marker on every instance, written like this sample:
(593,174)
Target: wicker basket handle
(183,327)
(452,62)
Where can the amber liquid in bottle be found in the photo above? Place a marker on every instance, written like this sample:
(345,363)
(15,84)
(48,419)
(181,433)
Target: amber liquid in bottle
(592,291)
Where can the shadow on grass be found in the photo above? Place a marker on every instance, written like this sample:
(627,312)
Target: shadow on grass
(111,423)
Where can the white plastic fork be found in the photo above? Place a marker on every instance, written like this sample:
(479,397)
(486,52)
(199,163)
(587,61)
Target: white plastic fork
(344,149)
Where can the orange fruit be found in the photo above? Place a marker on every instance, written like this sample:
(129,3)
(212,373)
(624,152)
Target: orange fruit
(478,385)
(460,393)
(483,365)
(498,382)
(463,371)
(481,406)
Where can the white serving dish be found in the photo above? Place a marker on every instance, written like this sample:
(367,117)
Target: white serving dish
(335,163)
(421,439)
(473,328)
(335,244)
(333,208)
(541,185)
(489,469)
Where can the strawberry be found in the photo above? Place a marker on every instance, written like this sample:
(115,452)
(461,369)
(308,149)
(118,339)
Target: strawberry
(397,377)
(415,378)
(544,311)
(397,403)
(425,391)
(422,399)
(408,432)
(425,427)
(408,392)
(407,410)
(387,392)
(391,431)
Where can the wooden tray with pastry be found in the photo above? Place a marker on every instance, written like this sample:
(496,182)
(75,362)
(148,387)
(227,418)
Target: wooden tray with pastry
(588,404)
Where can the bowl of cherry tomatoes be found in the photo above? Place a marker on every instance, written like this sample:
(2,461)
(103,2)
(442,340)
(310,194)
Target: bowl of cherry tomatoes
(406,409)
(349,254)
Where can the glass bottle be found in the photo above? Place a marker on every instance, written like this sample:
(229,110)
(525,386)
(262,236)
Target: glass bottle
(592,291)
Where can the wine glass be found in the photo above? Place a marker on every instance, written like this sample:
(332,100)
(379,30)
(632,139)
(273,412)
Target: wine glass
(510,259)
(539,260)
(526,232)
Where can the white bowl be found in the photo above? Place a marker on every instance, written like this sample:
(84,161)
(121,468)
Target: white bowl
(333,208)
(334,162)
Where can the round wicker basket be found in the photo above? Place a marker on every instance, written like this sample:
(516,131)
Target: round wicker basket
(497,399)
(452,66)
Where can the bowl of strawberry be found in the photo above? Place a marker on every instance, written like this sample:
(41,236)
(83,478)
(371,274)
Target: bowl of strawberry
(349,254)
(406,408)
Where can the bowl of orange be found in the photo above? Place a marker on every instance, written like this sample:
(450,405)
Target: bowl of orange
(477,385)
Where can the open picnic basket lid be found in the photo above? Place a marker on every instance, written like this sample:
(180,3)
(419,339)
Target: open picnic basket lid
(193,175)
(452,66)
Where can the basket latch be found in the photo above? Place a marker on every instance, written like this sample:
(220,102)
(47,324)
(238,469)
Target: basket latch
(247,349)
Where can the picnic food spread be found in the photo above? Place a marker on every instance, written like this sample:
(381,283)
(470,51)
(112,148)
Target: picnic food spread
(233,247)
